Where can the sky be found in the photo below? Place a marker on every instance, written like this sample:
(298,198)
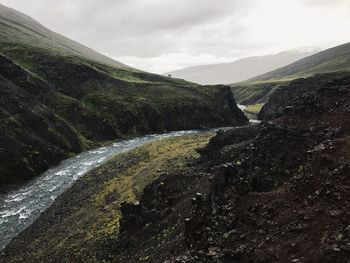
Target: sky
(165,35)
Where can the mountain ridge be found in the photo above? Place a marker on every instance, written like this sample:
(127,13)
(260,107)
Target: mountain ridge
(260,88)
(317,63)
(239,70)
(18,21)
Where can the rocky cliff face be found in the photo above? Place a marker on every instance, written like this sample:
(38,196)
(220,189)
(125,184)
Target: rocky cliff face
(60,97)
(33,134)
(67,107)
(277,192)
(283,98)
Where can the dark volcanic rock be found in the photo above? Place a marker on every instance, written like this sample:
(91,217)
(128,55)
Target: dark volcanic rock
(33,136)
(73,106)
(276,192)
(273,193)
(309,90)
(59,97)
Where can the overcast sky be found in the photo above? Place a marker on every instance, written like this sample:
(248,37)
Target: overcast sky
(164,35)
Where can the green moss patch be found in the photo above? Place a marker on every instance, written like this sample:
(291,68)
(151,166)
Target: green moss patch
(88,213)
(254,109)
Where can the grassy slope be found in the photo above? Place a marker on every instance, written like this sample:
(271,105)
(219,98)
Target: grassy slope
(331,60)
(252,93)
(88,212)
(70,104)
(131,101)
(95,98)
(16,27)
(254,108)
(259,89)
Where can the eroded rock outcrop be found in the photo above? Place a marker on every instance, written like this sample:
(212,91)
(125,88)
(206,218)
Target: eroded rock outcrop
(36,130)
(312,89)
(48,118)
(280,194)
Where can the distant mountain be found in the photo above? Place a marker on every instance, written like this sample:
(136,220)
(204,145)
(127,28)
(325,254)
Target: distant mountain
(58,98)
(240,70)
(260,88)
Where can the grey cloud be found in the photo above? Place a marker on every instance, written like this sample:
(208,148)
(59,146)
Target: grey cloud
(134,27)
(147,29)
(320,3)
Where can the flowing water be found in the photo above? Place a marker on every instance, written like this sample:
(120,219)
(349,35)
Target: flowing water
(19,208)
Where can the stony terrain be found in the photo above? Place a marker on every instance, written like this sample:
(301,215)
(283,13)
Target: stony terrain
(85,217)
(278,191)
(287,98)
(274,192)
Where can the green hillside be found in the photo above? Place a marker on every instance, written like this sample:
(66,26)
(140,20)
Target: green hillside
(16,27)
(59,98)
(259,89)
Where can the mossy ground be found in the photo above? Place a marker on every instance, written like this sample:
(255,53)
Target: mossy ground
(88,213)
(132,102)
(153,160)
(254,108)
(82,103)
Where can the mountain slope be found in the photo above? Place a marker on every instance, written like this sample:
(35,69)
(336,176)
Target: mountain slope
(56,103)
(260,88)
(331,60)
(239,70)
(40,126)
(16,27)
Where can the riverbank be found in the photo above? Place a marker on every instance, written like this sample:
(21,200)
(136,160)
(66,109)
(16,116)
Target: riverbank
(276,192)
(19,208)
(87,214)
(50,115)
(273,192)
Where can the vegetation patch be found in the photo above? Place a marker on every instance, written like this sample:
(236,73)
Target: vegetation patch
(259,89)
(153,160)
(88,213)
(80,103)
(254,109)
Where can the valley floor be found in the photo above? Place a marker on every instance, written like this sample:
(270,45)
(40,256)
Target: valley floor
(274,192)
(86,216)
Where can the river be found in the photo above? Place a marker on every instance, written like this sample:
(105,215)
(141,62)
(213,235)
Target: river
(19,208)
